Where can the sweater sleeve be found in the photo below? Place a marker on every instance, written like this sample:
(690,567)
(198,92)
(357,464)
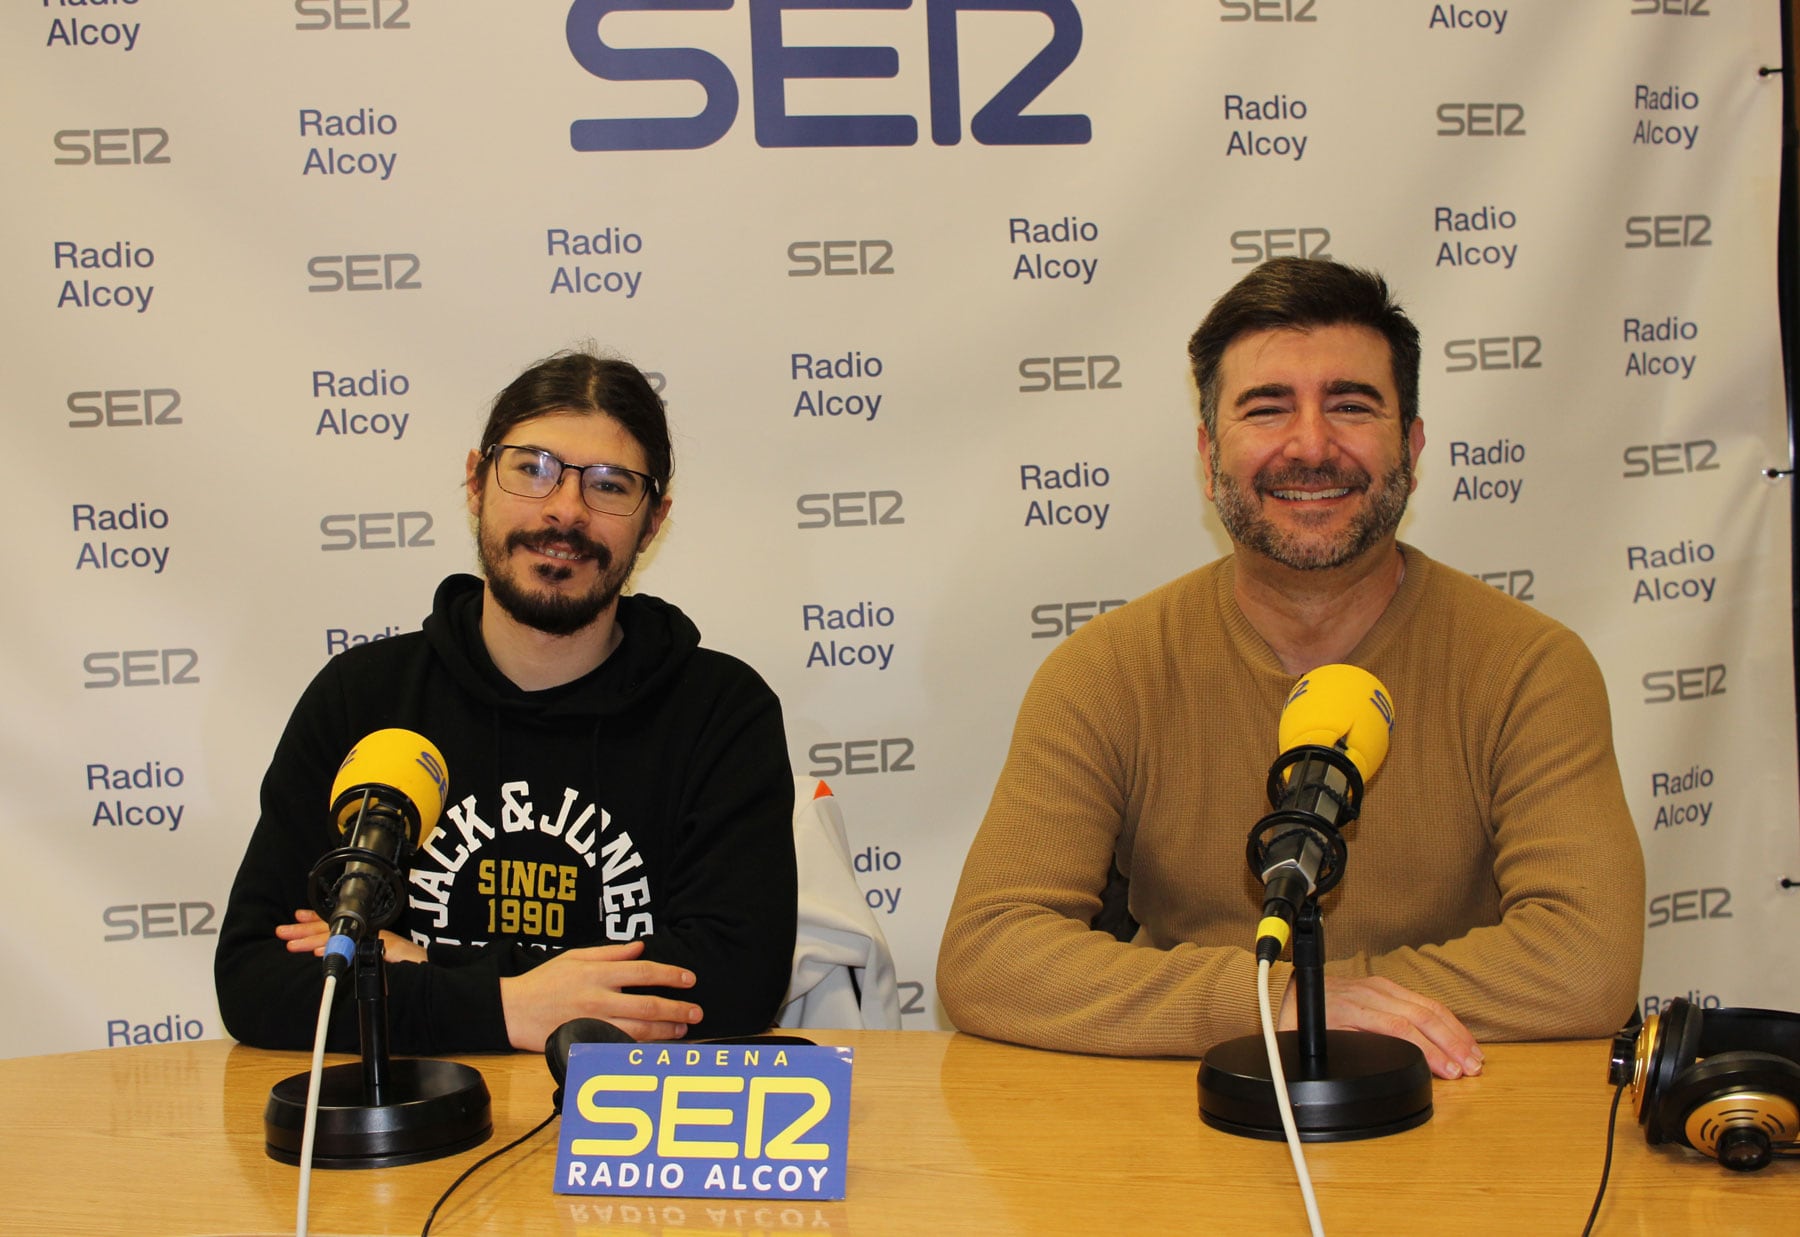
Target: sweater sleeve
(1564,959)
(1020,960)
(268,997)
(729,909)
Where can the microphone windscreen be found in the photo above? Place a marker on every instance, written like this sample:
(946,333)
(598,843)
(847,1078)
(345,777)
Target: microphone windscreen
(402,762)
(1340,706)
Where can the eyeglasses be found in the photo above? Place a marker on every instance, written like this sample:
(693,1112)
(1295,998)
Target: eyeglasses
(606,488)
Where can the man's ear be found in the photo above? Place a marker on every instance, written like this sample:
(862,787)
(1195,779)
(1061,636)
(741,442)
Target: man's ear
(654,524)
(1205,443)
(1415,444)
(472,482)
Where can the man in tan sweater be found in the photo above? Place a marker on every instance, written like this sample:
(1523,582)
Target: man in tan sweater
(1494,887)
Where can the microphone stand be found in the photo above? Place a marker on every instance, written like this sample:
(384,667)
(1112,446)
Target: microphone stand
(379,1111)
(1343,1085)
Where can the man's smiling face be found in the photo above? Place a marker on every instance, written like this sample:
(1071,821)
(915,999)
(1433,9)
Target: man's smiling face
(554,563)
(1308,467)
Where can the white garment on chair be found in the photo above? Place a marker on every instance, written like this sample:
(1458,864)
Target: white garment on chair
(843,972)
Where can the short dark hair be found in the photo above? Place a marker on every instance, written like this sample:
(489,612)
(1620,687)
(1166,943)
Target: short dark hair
(585,382)
(1301,293)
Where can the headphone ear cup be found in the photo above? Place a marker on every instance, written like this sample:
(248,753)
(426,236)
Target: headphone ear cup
(1734,1106)
(1677,1044)
(576,1031)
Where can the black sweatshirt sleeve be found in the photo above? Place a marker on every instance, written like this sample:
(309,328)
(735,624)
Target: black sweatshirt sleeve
(268,997)
(730,899)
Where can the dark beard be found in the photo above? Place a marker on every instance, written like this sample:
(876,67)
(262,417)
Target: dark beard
(554,614)
(1242,515)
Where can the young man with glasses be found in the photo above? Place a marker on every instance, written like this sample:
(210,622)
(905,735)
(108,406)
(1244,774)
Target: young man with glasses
(616,841)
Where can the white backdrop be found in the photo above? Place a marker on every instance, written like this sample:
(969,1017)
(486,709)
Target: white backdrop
(325,233)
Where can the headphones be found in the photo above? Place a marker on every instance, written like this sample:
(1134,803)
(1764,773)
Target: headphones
(1726,1082)
(576,1031)
(594,1031)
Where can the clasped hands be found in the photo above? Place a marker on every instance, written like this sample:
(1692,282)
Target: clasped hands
(578,983)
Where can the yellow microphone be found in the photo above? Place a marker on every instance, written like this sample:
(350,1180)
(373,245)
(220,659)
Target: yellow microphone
(385,801)
(1344,707)
(1334,734)
(400,765)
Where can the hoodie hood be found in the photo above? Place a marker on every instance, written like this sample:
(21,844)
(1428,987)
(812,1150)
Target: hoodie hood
(658,639)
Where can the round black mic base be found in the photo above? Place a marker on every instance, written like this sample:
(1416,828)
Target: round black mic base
(428,1109)
(1371,1086)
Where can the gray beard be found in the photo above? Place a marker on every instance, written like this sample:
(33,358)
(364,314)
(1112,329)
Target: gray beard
(1242,515)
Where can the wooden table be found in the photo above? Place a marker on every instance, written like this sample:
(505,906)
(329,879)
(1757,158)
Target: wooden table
(949,1134)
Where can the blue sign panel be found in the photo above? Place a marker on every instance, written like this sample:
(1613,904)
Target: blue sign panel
(706,1121)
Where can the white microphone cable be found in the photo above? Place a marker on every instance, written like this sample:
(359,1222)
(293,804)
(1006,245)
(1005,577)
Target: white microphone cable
(1281,1099)
(312,1106)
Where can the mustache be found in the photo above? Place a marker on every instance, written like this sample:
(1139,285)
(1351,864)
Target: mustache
(570,541)
(1299,476)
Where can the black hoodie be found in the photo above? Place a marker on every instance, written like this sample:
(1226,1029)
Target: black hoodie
(651,798)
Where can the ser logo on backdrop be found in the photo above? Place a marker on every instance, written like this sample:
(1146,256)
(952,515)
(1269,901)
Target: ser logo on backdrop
(1267,10)
(1494,352)
(124,406)
(141,668)
(850,757)
(1252,246)
(1668,232)
(111,147)
(1481,119)
(1670,459)
(150,921)
(1052,620)
(363,272)
(1093,372)
(352,14)
(1000,121)
(1687,684)
(850,509)
(1514,581)
(1689,906)
(809,259)
(376,530)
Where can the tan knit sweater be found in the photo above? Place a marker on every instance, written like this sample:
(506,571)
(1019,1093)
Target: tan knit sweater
(1494,866)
